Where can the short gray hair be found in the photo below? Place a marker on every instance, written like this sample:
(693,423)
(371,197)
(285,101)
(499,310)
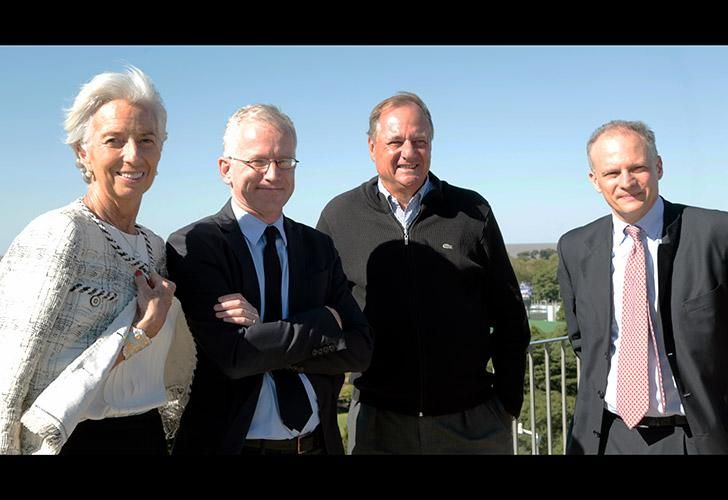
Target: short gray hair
(266,113)
(399,99)
(133,86)
(638,127)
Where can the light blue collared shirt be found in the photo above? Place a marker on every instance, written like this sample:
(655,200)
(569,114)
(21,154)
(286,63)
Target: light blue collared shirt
(405,216)
(651,225)
(266,423)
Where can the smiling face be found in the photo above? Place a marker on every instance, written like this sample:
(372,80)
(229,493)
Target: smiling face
(626,172)
(260,194)
(401,150)
(122,151)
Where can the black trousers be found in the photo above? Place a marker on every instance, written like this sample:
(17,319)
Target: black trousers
(136,435)
(618,439)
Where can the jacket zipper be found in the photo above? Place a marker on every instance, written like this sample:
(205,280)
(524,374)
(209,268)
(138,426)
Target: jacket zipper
(420,347)
(405,234)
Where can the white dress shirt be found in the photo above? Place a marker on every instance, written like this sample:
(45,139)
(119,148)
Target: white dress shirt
(405,216)
(267,423)
(651,225)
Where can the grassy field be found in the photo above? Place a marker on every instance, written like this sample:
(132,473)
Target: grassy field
(547,327)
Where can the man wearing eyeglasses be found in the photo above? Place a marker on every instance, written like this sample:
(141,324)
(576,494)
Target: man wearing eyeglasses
(268,304)
(428,266)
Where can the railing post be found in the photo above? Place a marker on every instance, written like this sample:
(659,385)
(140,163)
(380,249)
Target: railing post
(532,430)
(547,376)
(563,398)
(532,385)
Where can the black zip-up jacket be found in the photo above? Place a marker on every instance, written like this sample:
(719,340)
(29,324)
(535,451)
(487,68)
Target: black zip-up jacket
(441,299)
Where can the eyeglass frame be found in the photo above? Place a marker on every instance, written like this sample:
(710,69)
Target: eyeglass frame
(264,170)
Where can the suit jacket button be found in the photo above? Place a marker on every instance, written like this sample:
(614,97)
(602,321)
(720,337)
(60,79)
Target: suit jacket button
(600,394)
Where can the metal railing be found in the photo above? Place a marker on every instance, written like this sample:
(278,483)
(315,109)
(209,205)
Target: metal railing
(535,430)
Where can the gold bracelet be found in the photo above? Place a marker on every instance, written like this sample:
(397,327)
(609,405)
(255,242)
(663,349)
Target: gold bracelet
(136,340)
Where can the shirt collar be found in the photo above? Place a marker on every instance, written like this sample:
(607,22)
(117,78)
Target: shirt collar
(419,195)
(252,227)
(651,223)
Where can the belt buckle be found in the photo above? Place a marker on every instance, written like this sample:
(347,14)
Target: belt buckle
(299,451)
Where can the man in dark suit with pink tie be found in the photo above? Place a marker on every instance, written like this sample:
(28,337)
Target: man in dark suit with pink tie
(646,297)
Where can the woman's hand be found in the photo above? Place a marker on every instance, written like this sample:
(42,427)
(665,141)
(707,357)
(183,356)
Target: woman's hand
(154,298)
(233,308)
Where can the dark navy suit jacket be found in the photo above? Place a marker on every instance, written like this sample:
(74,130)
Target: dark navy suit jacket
(210,258)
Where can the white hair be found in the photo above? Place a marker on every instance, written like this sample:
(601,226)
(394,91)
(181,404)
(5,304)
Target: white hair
(266,113)
(133,86)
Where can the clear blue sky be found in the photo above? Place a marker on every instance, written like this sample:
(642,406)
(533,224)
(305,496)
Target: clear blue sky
(510,122)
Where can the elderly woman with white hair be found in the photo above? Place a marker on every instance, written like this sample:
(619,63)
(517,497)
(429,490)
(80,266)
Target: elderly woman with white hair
(95,355)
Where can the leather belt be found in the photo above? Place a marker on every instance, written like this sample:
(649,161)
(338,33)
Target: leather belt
(297,445)
(669,421)
(651,422)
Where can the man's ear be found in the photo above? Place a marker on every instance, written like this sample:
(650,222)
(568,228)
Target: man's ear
(659,167)
(223,165)
(593,179)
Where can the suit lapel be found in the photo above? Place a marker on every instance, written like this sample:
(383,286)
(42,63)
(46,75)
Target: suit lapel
(666,253)
(596,267)
(227,222)
(296,264)
(671,224)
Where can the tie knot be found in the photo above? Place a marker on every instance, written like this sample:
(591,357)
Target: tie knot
(271,233)
(634,231)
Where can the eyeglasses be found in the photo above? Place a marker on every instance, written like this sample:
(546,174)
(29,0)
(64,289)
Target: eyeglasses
(262,164)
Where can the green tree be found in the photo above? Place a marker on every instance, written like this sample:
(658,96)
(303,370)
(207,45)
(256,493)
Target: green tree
(546,253)
(545,285)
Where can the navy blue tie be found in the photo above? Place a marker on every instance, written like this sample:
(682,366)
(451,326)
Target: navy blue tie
(293,402)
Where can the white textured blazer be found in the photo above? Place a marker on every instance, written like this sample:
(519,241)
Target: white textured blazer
(63,282)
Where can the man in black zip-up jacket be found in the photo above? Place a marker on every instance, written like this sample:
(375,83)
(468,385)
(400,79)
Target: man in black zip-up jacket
(427,264)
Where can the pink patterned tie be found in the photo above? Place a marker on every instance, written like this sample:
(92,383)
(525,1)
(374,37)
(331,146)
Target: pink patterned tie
(632,376)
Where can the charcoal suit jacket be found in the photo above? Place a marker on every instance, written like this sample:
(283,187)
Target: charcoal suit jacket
(692,263)
(209,258)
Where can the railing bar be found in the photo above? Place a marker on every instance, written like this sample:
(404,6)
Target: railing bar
(532,395)
(547,376)
(531,380)
(548,341)
(563,397)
